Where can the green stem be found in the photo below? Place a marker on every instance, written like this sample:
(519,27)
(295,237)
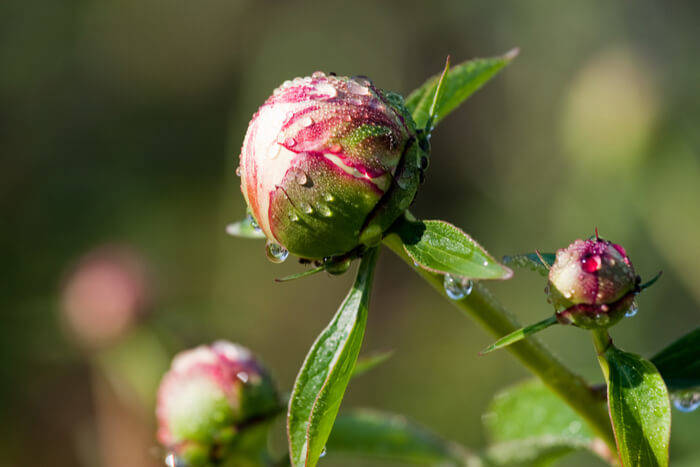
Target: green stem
(483,307)
(602,342)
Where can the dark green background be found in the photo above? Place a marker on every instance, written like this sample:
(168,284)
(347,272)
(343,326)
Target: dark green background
(121,120)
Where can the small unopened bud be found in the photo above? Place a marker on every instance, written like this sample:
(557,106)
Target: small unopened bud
(329,163)
(592,283)
(104,295)
(210,395)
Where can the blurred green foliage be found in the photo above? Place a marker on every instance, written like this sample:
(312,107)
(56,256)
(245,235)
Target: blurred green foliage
(121,120)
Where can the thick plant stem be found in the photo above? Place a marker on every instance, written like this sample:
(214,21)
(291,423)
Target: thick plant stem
(483,307)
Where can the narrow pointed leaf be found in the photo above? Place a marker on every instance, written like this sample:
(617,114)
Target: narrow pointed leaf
(639,408)
(520,334)
(651,282)
(324,376)
(369,362)
(440,247)
(679,363)
(462,81)
(299,275)
(437,97)
(244,229)
(527,424)
(389,437)
(532,261)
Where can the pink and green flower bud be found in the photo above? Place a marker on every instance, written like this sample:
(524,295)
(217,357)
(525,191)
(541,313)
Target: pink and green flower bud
(208,398)
(592,283)
(328,163)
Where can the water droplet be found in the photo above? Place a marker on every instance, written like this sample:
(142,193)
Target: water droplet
(328,197)
(457,288)
(318,75)
(686,401)
(356,88)
(335,149)
(242,376)
(323,452)
(238,171)
(302,179)
(485,263)
(574,427)
(306,207)
(293,216)
(307,122)
(633,310)
(415,264)
(173,460)
(327,89)
(324,210)
(253,223)
(275,253)
(290,142)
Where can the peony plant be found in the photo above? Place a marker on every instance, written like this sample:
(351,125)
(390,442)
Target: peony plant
(329,167)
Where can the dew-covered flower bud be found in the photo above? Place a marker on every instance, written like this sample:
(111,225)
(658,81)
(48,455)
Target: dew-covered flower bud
(592,283)
(328,163)
(208,398)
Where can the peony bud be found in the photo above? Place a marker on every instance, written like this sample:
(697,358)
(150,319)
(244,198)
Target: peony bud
(328,163)
(592,283)
(208,397)
(104,295)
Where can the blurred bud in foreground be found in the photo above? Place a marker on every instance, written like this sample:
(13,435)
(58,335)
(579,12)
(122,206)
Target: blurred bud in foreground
(209,398)
(328,163)
(592,283)
(104,295)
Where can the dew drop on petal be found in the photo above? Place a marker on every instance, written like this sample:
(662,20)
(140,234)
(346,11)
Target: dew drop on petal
(242,376)
(306,207)
(356,88)
(253,223)
(318,75)
(307,122)
(335,149)
(238,171)
(686,401)
(276,253)
(633,310)
(457,288)
(290,142)
(324,210)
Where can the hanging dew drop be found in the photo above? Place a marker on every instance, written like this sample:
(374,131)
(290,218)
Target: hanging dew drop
(242,376)
(633,310)
(172,460)
(457,288)
(276,253)
(238,171)
(686,401)
(323,452)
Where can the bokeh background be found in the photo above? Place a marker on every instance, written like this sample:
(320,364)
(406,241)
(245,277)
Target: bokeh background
(120,124)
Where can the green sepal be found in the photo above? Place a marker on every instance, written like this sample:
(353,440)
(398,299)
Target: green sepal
(537,262)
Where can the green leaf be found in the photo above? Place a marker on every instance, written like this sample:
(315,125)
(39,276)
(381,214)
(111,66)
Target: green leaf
(440,247)
(369,362)
(679,363)
(368,433)
(528,424)
(639,408)
(462,81)
(520,334)
(324,376)
(437,97)
(245,229)
(535,451)
(538,262)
